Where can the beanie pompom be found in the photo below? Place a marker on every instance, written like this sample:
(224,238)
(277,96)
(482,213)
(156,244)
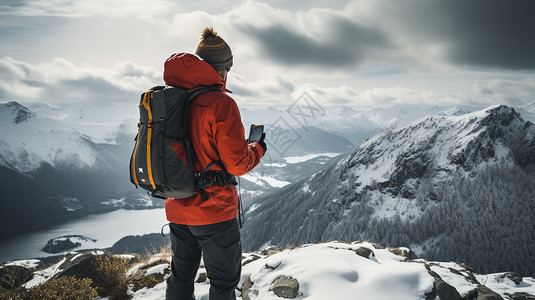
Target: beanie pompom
(214,50)
(209,33)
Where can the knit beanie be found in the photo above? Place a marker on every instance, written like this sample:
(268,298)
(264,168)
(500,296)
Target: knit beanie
(214,50)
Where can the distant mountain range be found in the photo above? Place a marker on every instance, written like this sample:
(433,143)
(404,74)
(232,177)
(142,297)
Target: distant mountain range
(69,160)
(452,186)
(49,172)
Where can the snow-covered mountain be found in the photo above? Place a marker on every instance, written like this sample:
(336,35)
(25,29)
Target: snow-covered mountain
(30,140)
(98,122)
(71,159)
(451,187)
(68,160)
(344,121)
(49,171)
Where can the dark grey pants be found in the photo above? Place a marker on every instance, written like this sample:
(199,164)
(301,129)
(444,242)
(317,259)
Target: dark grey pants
(220,244)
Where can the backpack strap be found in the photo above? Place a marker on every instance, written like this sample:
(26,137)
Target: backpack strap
(209,178)
(196,91)
(146,104)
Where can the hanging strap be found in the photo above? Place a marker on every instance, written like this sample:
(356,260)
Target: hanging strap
(161,230)
(134,174)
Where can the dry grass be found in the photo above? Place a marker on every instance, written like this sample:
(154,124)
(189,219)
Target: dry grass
(62,288)
(289,247)
(110,276)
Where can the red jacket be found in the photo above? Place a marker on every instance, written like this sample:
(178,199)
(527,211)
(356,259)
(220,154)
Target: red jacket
(216,132)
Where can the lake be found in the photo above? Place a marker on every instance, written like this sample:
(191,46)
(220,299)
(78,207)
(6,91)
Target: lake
(106,228)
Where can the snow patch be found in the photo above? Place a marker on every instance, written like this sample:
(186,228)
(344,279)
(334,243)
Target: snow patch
(299,159)
(26,263)
(39,277)
(158,269)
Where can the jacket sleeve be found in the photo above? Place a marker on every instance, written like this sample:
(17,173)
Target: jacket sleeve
(238,157)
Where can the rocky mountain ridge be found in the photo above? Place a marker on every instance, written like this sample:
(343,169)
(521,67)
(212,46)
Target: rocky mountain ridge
(451,187)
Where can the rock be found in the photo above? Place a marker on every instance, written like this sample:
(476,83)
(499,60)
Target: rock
(286,287)
(442,290)
(365,252)
(246,288)
(484,293)
(445,291)
(471,295)
(404,252)
(377,246)
(521,296)
(270,250)
(466,267)
(268,267)
(202,277)
(251,258)
(13,276)
(149,274)
(515,277)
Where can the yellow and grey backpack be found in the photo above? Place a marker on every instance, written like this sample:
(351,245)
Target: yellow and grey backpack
(162,159)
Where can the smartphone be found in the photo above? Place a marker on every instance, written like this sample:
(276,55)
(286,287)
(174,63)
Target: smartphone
(255,133)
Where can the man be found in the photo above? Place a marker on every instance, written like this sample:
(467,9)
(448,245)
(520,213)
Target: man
(208,221)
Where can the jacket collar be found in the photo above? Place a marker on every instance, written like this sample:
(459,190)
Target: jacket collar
(188,71)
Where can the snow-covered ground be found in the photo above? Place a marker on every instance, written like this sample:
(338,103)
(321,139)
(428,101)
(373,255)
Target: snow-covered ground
(334,271)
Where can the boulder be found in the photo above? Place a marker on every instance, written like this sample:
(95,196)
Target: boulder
(286,287)
(403,252)
(441,289)
(246,289)
(202,277)
(250,259)
(445,291)
(521,296)
(484,293)
(365,252)
(515,277)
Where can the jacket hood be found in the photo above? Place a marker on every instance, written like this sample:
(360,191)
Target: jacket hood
(188,71)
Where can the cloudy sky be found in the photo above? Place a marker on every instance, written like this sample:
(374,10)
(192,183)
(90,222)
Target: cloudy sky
(358,53)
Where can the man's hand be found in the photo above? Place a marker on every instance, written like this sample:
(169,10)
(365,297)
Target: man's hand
(262,143)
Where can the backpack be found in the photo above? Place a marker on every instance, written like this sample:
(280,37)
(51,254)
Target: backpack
(162,159)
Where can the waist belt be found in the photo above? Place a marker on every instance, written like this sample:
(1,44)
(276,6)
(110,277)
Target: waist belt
(216,178)
(209,178)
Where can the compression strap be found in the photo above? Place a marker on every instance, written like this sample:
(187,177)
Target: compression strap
(146,103)
(134,157)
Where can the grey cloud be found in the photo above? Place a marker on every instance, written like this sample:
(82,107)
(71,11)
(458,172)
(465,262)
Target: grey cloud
(276,85)
(4,95)
(346,44)
(91,89)
(242,90)
(481,33)
(484,33)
